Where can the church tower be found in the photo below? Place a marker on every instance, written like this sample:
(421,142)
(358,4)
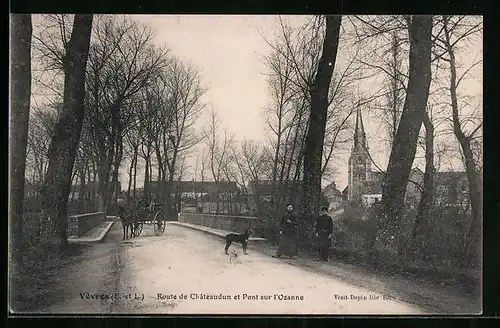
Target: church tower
(359,161)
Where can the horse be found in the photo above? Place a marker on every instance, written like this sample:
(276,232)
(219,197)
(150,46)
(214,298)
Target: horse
(128,219)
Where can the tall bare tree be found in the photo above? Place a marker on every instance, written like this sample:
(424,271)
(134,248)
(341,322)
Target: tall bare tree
(250,163)
(292,65)
(132,144)
(183,92)
(20,95)
(123,61)
(405,143)
(219,143)
(386,53)
(420,234)
(456,30)
(40,131)
(62,151)
(313,151)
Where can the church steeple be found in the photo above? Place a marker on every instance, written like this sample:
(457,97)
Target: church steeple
(359,131)
(359,162)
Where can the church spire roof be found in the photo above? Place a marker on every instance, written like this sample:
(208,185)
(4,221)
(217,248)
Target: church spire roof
(359,131)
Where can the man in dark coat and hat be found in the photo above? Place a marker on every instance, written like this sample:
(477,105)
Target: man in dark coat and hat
(324,229)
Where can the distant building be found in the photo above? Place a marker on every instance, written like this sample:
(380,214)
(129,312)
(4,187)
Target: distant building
(333,195)
(92,190)
(206,196)
(365,186)
(264,189)
(193,189)
(260,195)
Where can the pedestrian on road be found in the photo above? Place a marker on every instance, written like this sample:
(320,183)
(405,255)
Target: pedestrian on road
(324,229)
(288,234)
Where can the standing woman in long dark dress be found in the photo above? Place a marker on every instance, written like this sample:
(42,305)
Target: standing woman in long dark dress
(288,234)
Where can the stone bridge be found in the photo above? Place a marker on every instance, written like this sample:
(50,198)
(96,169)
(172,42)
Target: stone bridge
(237,224)
(80,224)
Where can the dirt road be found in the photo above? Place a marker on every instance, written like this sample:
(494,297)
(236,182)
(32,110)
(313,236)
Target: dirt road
(186,272)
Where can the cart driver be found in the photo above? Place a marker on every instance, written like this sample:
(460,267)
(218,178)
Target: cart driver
(152,204)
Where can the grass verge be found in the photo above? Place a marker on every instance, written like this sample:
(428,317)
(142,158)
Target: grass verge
(34,281)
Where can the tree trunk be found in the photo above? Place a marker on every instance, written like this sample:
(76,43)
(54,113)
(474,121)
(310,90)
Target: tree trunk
(395,87)
(20,95)
(102,188)
(146,175)
(113,192)
(217,200)
(167,195)
(135,170)
(294,146)
(112,159)
(89,195)
(275,161)
(473,240)
(159,160)
(130,172)
(421,227)
(169,191)
(64,144)
(405,144)
(313,152)
(150,178)
(74,181)
(83,191)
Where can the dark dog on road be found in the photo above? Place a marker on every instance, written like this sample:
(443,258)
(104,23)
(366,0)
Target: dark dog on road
(238,238)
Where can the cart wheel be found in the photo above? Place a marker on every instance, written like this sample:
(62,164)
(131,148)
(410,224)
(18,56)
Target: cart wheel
(159,224)
(137,228)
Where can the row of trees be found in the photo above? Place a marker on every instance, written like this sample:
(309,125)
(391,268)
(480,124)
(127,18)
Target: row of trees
(429,82)
(113,94)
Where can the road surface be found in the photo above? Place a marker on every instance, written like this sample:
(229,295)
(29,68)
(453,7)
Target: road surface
(186,272)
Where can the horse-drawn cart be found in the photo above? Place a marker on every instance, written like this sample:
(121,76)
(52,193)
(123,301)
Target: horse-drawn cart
(153,216)
(138,215)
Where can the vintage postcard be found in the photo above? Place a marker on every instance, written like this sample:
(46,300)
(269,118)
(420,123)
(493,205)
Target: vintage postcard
(224,164)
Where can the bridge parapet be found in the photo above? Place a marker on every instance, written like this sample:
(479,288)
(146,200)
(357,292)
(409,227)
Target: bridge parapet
(81,223)
(236,224)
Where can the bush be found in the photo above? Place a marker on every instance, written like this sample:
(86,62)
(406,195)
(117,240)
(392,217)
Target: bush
(448,236)
(445,245)
(271,229)
(32,204)
(31,228)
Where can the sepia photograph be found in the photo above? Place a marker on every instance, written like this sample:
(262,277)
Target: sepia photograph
(245,165)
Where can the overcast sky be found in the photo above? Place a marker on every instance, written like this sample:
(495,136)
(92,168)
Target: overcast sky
(227,51)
